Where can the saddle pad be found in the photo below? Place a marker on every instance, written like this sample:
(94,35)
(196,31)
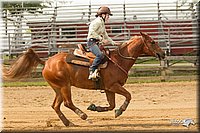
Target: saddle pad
(82,61)
(78,60)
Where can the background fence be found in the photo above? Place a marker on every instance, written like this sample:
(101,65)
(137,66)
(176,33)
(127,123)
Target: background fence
(174,27)
(50,30)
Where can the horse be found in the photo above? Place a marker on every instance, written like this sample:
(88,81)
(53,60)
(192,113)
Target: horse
(61,75)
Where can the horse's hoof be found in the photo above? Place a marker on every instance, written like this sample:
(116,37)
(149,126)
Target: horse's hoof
(118,112)
(83,116)
(92,107)
(66,123)
(72,124)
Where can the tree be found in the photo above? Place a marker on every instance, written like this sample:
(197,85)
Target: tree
(16,8)
(13,11)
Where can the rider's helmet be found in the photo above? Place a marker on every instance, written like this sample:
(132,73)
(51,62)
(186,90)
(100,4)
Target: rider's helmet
(103,10)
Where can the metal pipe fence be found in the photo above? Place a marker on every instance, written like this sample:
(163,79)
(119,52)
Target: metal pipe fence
(60,27)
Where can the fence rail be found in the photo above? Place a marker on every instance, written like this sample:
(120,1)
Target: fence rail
(57,28)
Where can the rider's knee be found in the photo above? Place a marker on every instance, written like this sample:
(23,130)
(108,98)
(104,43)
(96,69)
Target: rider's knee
(100,55)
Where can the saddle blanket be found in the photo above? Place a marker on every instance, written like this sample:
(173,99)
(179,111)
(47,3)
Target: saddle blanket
(78,60)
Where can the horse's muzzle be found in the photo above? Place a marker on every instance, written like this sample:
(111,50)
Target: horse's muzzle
(160,55)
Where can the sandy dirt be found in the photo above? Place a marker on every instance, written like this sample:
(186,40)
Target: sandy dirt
(154,107)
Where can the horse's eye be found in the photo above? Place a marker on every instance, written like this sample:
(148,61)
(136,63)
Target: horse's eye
(153,42)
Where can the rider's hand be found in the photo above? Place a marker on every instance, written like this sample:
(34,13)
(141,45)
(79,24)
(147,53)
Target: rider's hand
(105,42)
(118,43)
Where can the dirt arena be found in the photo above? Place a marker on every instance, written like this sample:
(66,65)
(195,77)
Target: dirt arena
(154,106)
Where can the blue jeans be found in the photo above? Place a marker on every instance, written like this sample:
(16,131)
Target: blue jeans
(94,48)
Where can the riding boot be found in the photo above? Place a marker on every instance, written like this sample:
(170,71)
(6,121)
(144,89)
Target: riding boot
(93,74)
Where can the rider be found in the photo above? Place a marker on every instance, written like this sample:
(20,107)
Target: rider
(97,33)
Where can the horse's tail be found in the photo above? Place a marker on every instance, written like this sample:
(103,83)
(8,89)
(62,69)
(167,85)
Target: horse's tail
(23,66)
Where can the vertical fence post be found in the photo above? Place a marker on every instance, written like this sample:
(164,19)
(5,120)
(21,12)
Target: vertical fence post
(5,16)
(169,43)
(163,70)
(89,13)
(159,13)
(49,44)
(9,46)
(53,31)
(194,23)
(165,63)
(124,12)
(177,9)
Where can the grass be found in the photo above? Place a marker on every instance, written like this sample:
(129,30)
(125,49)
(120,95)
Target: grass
(24,84)
(131,80)
(152,76)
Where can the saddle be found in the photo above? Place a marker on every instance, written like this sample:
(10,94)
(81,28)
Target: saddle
(84,57)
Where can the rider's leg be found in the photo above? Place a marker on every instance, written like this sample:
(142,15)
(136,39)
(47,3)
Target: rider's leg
(99,56)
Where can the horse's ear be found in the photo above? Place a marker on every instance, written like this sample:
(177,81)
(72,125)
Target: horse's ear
(143,34)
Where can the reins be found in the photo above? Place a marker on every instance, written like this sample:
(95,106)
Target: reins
(118,66)
(125,57)
(150,49)
(129,58)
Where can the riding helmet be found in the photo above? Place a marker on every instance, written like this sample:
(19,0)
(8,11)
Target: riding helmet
(103,10)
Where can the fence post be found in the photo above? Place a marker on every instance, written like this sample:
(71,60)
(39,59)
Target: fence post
(168,43)
(9,46)
(49,52)
(53,30)
(159,14)
(89,13)
(163,70)
(124,11)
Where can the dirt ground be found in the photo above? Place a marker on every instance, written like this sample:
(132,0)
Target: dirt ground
(154,107)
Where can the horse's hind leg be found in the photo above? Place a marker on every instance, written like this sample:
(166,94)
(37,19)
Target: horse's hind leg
(111,100)
(56,106)
(66,94)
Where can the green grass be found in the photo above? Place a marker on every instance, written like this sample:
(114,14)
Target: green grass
(131,80)
(24,84)
(137,77)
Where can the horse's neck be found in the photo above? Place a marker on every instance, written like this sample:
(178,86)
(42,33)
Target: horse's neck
(136,48)
(132,50)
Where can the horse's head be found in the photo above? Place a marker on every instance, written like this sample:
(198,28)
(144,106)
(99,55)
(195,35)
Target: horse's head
(151,47)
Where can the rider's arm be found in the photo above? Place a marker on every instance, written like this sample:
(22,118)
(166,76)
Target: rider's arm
(106,37)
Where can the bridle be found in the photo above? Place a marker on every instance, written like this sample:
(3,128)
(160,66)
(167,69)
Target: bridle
(129,57)
(149,48)
(132,58)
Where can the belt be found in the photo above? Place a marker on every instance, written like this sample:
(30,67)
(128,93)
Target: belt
(93,39)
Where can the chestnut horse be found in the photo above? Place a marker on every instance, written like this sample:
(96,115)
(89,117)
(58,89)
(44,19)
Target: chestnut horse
(61,75)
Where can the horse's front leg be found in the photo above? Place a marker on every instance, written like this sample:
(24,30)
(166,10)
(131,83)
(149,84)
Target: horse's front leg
(66,94)
(111,100)
(117,88)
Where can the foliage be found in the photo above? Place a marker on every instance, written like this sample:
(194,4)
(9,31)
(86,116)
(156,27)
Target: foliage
(16,7)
